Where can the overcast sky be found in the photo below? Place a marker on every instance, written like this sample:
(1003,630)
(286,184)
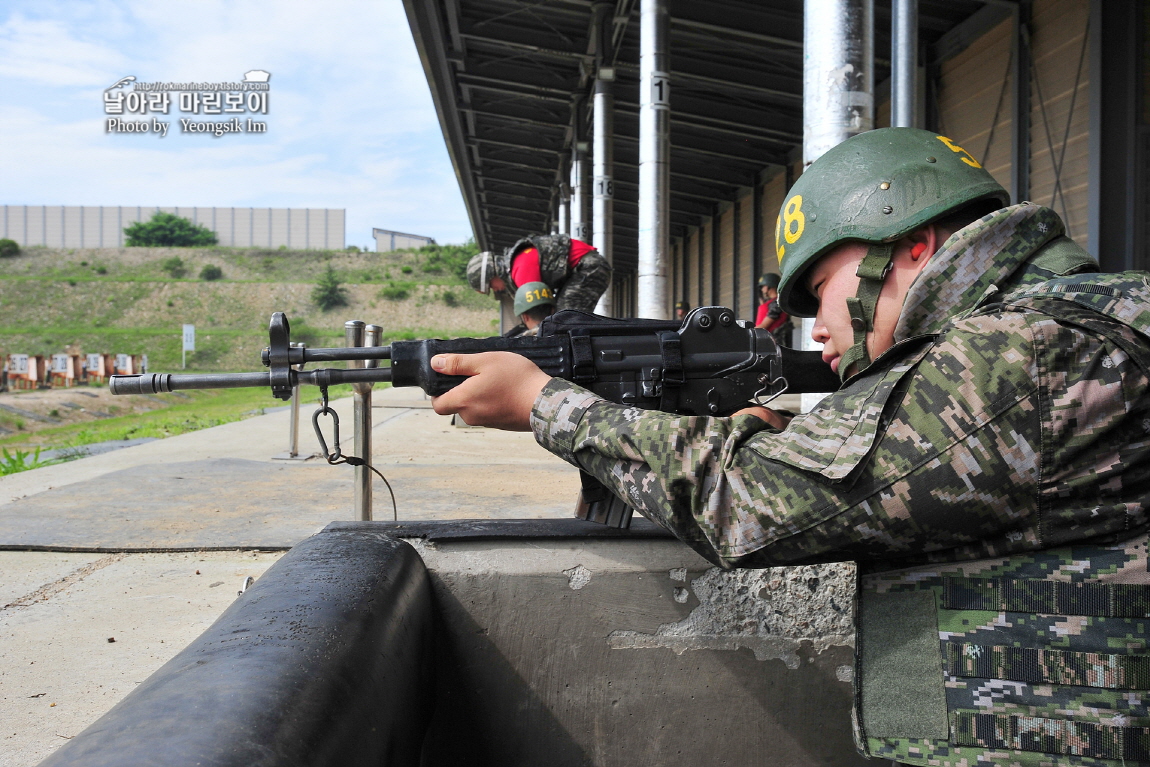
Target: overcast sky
(350,119)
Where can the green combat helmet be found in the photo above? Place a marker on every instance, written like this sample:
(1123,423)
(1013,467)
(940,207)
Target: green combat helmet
(769,280)
(875,187)
(531,295)
(481,269)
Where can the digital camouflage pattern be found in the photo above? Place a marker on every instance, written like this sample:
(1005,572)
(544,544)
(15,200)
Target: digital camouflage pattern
(586,284)
(1011,417)
(1041,654)
(578,288)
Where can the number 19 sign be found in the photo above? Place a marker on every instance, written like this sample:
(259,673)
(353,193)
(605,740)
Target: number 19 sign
(189,343)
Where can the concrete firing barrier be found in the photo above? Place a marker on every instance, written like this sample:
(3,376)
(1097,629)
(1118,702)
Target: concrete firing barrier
(523,642)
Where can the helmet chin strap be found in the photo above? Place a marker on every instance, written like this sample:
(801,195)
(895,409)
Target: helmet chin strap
(872,270)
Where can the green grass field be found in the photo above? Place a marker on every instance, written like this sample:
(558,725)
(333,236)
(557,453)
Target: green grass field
(135,300)
(199,410)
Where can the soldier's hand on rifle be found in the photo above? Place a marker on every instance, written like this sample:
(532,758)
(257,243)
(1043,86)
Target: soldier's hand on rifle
(500,392)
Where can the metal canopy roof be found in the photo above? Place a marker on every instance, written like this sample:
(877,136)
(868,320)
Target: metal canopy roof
(511,78)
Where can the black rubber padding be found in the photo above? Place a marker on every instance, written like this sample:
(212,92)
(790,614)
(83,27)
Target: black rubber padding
(325,660)
(487,529)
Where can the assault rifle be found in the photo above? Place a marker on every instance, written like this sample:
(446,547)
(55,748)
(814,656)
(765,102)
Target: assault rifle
(710,364)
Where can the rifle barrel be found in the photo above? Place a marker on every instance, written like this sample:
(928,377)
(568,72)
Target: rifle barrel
(158,383)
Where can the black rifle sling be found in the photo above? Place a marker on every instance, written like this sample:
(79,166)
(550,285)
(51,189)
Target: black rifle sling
(582,357)
(671,349)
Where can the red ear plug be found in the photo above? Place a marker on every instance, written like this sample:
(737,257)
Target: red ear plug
(917,251)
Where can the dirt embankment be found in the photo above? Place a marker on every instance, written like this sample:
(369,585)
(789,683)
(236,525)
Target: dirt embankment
(125,300)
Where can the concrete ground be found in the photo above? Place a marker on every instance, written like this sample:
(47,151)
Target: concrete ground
(58,670)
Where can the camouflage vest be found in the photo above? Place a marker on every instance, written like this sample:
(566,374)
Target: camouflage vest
(554,250)
(1033,659)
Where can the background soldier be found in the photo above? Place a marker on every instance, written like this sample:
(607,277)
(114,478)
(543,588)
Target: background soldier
(985,460)
(534,302)
(576,273)
(770,315)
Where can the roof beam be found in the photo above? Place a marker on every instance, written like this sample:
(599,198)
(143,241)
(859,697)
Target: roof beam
(742,34)
(729,85)
(522,165)
(512,86)
(512,196)
(527,47)
(723,182)
(706,122)
(756,162)
(511,145)
(515,118)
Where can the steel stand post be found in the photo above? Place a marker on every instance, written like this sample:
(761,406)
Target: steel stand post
(654,159)
(903,63)
(355,335)
(838,38)
(293,449)
(292,453)
(603,205)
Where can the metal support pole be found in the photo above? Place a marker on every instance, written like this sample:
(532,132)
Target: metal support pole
(903,62)
(580,226)
(1020,124)
(354,335)
(838,90)
(564,209)
(654,159)
(603,187)
(293,448)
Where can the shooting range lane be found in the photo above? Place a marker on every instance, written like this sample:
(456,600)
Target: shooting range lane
(218,488)
(57,610)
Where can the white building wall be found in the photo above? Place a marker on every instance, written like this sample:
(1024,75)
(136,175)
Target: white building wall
(58,226)
(387,240)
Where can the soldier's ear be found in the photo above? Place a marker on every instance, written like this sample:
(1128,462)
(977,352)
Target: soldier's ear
(916,249)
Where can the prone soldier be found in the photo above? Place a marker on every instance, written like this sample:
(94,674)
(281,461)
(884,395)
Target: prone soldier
(985,460)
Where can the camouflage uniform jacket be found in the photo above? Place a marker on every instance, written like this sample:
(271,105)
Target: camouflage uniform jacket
(997,453)
(554,250)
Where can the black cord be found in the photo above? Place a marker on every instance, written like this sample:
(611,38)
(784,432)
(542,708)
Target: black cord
(336,456)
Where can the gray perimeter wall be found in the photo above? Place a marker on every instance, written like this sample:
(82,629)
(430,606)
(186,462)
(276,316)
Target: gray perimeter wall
(73,226)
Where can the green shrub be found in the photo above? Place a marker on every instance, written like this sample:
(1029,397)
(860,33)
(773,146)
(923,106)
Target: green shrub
(101,270)
(352,248)
(211,272)
(448,258)
(175,266)
(9,248)
(450,298)
(396,291)
(328,292)
(407,270)
(167,229)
